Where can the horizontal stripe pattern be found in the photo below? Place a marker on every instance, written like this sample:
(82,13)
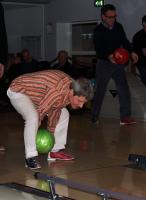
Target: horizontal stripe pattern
(48,90)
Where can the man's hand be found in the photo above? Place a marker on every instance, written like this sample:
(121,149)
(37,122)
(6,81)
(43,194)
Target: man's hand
(1,70)
(111,58)
(134,57)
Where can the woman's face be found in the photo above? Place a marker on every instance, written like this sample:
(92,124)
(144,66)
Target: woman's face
(77,101)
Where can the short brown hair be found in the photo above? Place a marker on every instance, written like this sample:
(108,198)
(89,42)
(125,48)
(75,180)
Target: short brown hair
(106,8)
(83,87)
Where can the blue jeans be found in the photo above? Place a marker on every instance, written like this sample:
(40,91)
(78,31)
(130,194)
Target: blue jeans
(106,70)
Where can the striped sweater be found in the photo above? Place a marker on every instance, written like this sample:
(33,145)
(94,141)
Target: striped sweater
(48,90)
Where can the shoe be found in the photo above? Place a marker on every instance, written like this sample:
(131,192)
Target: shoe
(32,163)
(127,121)
(95,122)
(60,155)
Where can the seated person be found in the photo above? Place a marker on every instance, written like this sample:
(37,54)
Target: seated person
(22,63)
(15,69)
(29,64)
(44,65)
(64,65)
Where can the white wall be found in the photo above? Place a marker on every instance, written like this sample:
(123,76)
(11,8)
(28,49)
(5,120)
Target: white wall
(23,22)
(129,14)
(67,11)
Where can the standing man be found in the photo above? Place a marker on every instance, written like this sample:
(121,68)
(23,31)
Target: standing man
(108,36)
(3,38)
(3,47)
(139,46)
(47,93)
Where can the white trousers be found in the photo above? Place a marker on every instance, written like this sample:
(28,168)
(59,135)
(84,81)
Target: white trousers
(25,107)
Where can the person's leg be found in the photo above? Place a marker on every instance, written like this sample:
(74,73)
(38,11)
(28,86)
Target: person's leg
(142,71)
(119,76)
(25,107)
(104,70)
(60,135)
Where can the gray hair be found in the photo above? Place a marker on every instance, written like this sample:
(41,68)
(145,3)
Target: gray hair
(83,87)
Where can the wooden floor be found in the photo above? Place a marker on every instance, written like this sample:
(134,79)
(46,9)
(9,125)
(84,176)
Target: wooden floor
(101,156)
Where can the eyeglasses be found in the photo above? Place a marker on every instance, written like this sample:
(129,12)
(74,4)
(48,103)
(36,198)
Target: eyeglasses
(111,17)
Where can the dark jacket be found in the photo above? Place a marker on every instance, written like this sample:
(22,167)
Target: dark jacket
(139,45)
(3,38)
(107,40)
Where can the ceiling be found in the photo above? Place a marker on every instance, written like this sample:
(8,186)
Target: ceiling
(17,4)
(27,1)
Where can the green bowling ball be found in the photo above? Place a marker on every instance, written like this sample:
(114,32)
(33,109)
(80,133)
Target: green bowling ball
(43,185)
(44,141)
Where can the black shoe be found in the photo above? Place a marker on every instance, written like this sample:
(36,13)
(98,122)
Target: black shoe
(32,163)
(95,122)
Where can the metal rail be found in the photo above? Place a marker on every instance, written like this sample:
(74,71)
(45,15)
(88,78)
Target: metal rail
(103,193)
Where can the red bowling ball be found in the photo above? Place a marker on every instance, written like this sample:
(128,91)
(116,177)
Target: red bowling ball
(121,56)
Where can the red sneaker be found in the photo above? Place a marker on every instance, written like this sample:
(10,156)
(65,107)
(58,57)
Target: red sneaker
(60,155)
(127,121)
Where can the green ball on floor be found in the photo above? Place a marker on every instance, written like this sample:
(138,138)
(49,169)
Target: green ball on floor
(44,141)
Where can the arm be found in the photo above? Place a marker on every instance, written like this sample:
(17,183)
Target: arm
(1,70)
(136,45)
(99,42)
(126,44)
(53,118)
